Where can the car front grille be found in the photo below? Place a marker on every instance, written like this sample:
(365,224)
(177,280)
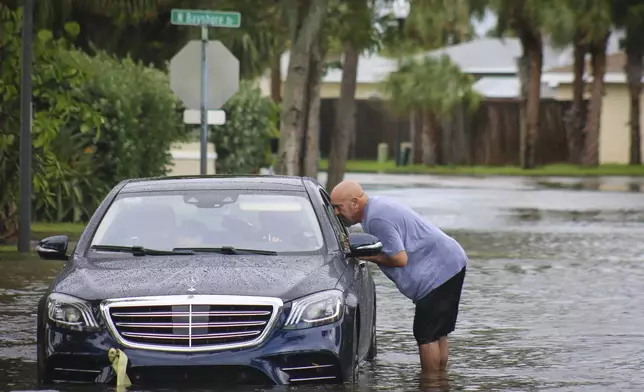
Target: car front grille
(191,323)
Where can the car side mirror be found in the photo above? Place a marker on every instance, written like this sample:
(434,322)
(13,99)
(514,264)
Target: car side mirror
(364,245)
(53,248)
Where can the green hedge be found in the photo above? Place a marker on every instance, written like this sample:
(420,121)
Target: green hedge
(97,120)
(243,143)
(142,117)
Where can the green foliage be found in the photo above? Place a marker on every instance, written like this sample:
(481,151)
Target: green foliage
(435,84)
(630,14)
(353,22)
(143,117)
(243,143)
(262,36)
(97,120)
(61,166)
(435,23)
(580,21)
(431,24)
(526,19)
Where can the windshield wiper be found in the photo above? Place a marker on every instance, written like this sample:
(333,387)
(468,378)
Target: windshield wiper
(228,250)
(141,251)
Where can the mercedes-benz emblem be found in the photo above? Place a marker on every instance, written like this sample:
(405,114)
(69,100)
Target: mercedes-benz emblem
(191,285)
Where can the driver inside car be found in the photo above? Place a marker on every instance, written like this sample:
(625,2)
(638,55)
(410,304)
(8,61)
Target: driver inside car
(190,234)
(282,227)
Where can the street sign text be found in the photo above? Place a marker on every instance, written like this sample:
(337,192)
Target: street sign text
(206,18)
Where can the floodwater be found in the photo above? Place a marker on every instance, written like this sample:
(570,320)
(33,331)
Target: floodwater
(553,299)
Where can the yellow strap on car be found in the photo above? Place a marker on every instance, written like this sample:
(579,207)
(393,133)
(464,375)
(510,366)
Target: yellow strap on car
(119,364)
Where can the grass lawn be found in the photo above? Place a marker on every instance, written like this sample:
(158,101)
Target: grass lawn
(558,170)
(10,253)
(41,230)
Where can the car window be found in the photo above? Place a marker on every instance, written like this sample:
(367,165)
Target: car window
(281,222)
(338,228)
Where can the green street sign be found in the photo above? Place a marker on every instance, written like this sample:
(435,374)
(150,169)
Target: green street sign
(206,18)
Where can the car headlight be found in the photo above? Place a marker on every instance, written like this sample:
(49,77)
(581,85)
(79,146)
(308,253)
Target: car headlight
(70,312)
(316,309)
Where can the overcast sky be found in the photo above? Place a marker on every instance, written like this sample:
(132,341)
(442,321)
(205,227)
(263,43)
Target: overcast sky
(486,24)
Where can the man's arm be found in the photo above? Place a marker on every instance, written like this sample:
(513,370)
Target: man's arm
(393,250)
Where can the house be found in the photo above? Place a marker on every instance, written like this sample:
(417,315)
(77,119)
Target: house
(186,159)
(492,60)
(614,138)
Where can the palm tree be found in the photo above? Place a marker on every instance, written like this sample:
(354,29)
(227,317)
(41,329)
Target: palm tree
(306,20)
(431,87)
(434,24)
(587,25)
(526,19)
(354,35)
(629,14)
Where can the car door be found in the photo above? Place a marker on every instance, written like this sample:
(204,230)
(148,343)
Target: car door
(360,276)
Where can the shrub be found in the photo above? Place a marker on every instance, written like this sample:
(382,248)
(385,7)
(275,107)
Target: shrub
(142,115)
(243,143)
(61,166)
(97,120)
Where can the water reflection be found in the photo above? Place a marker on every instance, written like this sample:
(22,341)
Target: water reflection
(594,184)
(542,309)
(434,382)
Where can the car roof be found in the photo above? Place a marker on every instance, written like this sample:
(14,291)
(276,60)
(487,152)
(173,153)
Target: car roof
(214,182)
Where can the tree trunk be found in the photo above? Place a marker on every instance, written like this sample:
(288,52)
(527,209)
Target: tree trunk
(412,135)
(535,51)
(574,118)
(464,23)
(530,65)
(345,118)
(306,30)
(523,67)
(429,138)
(312,131)
(591,150)
(276,78)
(634,72)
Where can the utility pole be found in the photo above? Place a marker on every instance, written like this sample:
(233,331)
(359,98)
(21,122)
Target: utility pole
(24,234)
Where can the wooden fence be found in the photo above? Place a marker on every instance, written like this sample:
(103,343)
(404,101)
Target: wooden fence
(487,136)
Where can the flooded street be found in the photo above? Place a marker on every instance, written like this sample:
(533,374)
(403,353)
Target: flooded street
(553,296)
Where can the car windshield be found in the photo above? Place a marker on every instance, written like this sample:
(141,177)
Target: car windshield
(210,220)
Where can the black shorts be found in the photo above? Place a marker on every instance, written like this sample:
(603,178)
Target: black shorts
(436,313)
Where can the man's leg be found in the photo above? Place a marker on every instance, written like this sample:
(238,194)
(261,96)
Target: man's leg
(434,356)
(430,357)
(426,336)
(457,283)
(435,318)
(444,349)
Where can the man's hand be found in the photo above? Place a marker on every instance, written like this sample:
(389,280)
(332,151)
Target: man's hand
(397,260)
(392,244)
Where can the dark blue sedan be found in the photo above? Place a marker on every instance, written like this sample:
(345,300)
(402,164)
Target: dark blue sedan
(244,280)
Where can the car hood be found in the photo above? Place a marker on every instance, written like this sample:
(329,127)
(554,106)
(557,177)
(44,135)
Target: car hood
(285,277)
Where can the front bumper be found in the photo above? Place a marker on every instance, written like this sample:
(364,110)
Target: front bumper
(313,355)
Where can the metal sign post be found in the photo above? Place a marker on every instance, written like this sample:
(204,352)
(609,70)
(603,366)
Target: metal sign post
(26,118)
(204,98)
(225,75)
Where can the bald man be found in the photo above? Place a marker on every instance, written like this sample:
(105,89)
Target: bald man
(427,265)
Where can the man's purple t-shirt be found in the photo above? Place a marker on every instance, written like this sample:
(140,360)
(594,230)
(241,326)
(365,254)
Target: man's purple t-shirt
(433,257)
